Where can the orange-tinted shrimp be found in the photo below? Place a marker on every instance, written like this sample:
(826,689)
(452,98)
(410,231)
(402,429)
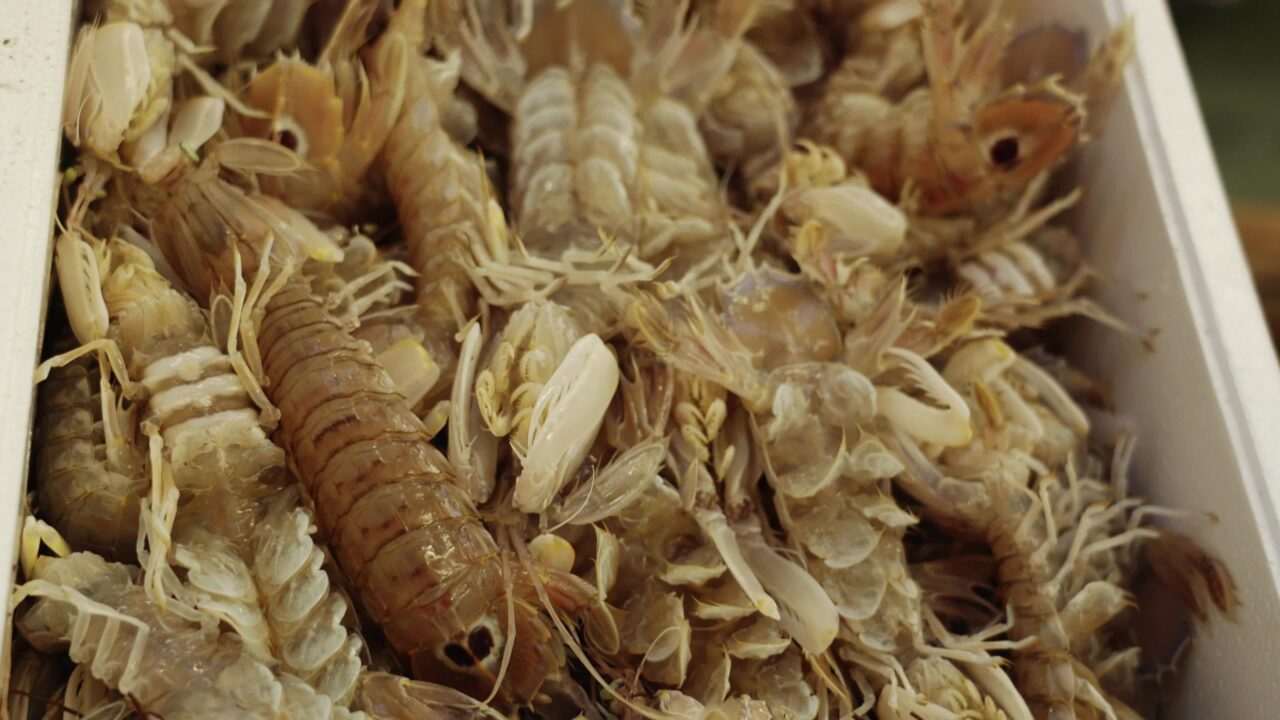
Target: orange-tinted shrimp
(959,140)
(335,114)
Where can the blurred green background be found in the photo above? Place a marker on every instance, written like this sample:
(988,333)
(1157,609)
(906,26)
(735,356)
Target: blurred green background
(1233,49)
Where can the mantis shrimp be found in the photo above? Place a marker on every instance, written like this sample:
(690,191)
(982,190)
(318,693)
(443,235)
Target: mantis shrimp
(605,138)
(88,474)
(207,442)
(170,659)
(432,577)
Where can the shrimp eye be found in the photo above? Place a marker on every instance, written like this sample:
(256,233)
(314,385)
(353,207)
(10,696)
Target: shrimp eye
(481,642)
(286,138)
(458,655)
(1005,152)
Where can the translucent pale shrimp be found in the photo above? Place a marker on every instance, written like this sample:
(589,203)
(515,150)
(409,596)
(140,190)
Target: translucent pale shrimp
(199,413)
(120,82)
(1019,411)
(738,134)
(605,137)
(432,577)
(225,32)
(238,29)
(832,503)
(943,690)
(207,443)
(88,473)
(303,612)
(957,141)
(169,660)
(200,406)
(40,687)
(823,203)
(120,103)
(564,421)
(366,281)
(1027,275)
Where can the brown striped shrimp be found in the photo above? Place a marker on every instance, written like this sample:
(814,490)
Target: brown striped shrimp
(225,473)
(441,194)
(957,141)
(432,577)
(367,288)
(205,440)
(169,659)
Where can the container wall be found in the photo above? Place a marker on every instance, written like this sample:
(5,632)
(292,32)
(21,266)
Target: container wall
(1203,398)
(34,37)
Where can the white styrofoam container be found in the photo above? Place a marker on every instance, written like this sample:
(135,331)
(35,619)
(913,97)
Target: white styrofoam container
(1206,402)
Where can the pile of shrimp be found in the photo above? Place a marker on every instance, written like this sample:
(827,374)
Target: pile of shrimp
(585,359)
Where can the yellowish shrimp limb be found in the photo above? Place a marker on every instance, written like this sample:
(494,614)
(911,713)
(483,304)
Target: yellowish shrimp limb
(508,648)
(36,534)
(159,513)
(108,348)
(250,375)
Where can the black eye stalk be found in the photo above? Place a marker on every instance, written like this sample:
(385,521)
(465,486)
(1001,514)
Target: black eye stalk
(458,655)
(286,138)
(1005,153)
(479,645)
(481,642)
